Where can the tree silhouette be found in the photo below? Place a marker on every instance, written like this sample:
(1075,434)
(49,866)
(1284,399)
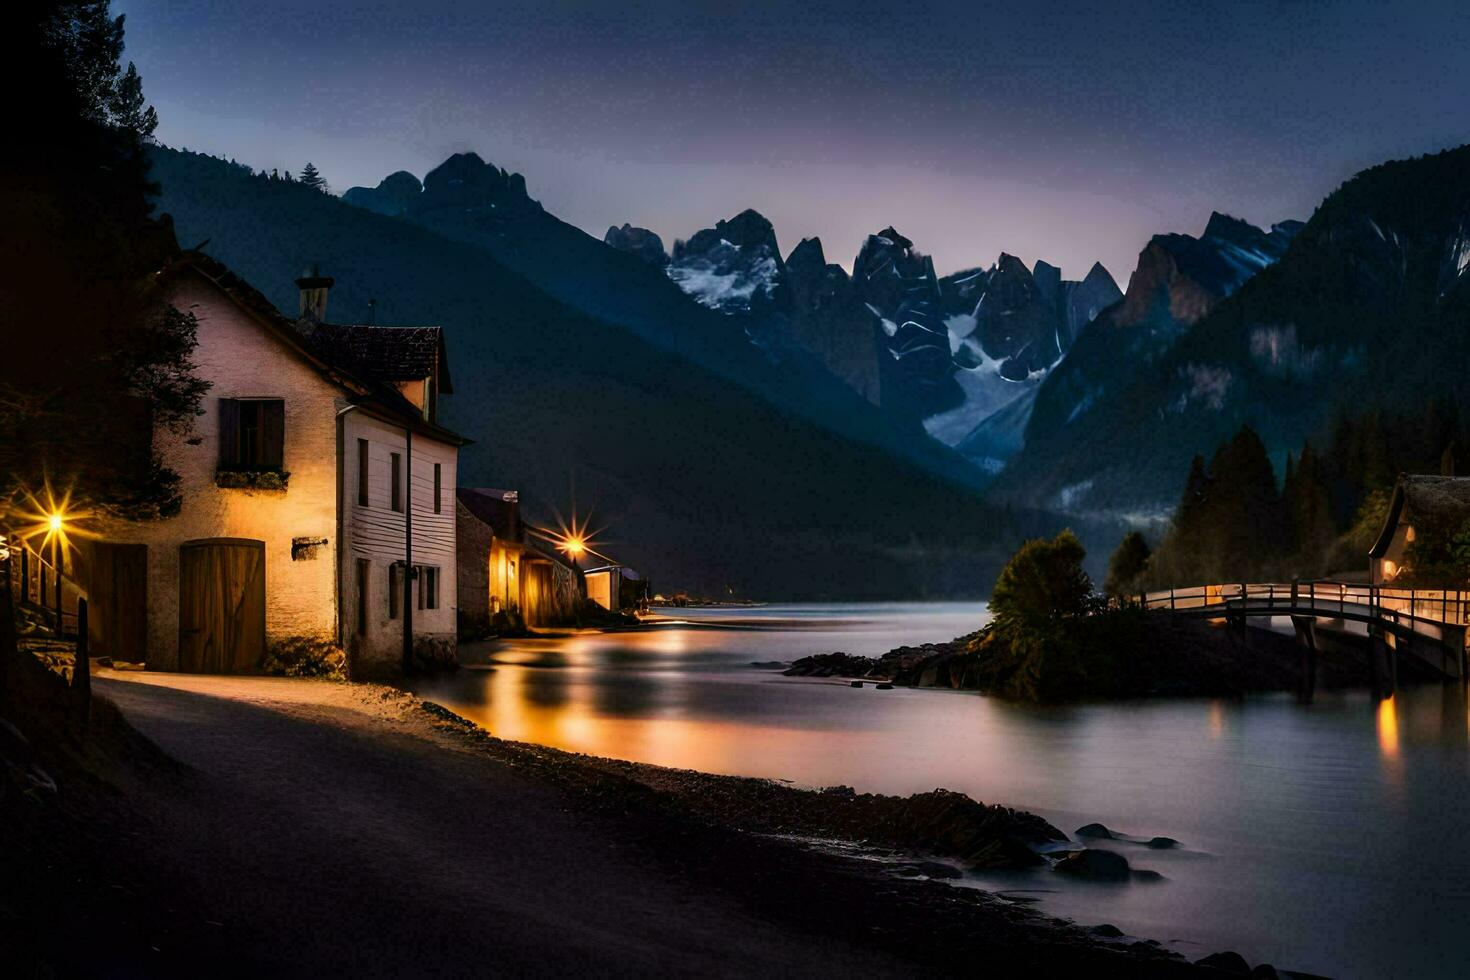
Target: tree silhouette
(312,178)
(78,247)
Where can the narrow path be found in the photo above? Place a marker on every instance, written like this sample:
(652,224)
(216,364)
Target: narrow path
(333,831)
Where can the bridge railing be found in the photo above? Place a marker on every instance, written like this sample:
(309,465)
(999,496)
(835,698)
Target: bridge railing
(1423,610)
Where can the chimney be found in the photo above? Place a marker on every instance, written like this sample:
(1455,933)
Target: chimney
(314,286)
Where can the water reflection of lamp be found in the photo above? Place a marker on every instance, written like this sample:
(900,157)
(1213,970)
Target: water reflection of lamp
(1388,728)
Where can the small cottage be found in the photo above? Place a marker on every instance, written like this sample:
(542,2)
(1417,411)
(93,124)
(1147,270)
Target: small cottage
(1420,505)
(317,495)
(507,576)
(617,588)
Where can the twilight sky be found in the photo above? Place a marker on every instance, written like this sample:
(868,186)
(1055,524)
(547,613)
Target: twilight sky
(1070,131)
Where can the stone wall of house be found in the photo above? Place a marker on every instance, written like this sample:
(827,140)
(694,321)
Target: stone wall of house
(374,534)
(474,538)
(241,360)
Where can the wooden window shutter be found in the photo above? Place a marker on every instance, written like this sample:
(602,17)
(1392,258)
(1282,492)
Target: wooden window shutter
(272,434)
(229,433)
(395,590)
(436,488)
(395,495)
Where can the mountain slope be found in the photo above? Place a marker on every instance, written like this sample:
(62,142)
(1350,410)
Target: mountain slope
(701,483)
(1366,309)
(474,202)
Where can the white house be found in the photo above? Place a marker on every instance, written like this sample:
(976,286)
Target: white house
(318,494)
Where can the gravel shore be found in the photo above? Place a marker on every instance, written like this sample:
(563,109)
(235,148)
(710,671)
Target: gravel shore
(297,827)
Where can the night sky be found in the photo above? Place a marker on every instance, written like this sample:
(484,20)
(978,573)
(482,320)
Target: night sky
(1065,131)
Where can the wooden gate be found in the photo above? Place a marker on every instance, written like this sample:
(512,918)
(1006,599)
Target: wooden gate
(221,605)
(117,597)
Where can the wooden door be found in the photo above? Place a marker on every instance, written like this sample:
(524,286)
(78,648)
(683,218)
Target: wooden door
(117,597)
(221,606)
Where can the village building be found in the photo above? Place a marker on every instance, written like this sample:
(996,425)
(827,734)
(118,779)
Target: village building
(317,495)
(508,575)
(1420,505)
(617,588)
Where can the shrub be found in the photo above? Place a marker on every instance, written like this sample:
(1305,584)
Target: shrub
(305,656)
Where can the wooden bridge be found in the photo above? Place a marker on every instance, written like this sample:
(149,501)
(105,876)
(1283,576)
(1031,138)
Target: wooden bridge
(1427,625)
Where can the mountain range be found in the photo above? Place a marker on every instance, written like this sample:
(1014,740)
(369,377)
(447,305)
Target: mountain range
(821,419)
(1365,308)
(770,480)
(949,352)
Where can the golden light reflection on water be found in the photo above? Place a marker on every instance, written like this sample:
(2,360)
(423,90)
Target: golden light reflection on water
(1388,728)
(1217,720)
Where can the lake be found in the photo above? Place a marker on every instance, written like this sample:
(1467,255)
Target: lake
(1328,838)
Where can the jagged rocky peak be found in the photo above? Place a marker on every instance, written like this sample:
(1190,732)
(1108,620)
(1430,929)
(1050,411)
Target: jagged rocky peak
(1084,301)
(810,275)
(733,267)
(897,286)
(466,180)
(640,241)
(1180,278)
(394,195)
(1048,282)
(1016,321)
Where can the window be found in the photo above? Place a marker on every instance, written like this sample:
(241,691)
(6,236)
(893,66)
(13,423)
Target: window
(362,472)
(396,494)
(252,433)
(395,590)
(436,488)
(362,595)
(428,577)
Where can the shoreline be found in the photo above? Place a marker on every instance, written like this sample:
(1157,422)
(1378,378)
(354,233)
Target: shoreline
(758,844)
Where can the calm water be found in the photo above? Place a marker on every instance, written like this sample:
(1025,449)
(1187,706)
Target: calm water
(1330,838)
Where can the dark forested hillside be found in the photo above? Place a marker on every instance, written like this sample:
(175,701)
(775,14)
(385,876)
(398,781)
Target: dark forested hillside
(1369,308)
(701,482)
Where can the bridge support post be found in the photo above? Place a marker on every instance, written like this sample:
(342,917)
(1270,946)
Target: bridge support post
(1381,666)
(1306,634)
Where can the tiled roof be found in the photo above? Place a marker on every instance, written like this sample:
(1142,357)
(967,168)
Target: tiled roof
(385,353)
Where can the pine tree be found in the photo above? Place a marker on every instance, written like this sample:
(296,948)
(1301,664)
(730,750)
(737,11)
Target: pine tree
(75,223)
(1309,510)
(1247,522)
(1128,565)
(312,178)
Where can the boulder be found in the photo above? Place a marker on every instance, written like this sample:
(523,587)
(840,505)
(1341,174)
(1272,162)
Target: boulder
(1162,843)
(1096,830)
(1229,962)
(1095,864)
(1108,930)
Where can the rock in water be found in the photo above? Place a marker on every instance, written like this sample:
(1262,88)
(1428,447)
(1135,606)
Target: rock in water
(1095,830)
(1107,929)
(1228,961)
(1095,864)
(1162,843)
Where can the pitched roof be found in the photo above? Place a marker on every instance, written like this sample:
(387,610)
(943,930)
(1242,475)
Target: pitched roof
(372,394)
(499,509)
(386,353)
(1441,499)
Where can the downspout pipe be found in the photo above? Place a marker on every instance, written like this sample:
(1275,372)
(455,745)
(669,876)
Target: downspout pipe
(342,505)
(408,553)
